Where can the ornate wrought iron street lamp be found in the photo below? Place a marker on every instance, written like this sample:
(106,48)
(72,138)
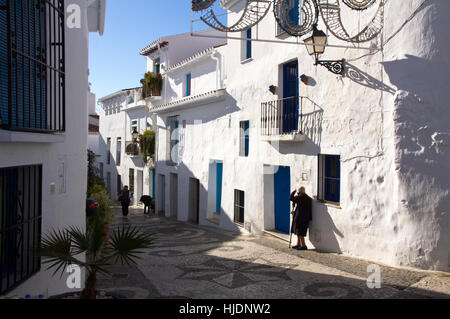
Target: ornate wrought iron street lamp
(316,46)
(135,135)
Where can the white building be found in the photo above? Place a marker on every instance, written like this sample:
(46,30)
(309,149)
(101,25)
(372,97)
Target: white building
(371,146)
(122,113)
(43,134)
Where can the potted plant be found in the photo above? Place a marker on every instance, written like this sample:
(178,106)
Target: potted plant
(151,84)
(147,145)
(61,248)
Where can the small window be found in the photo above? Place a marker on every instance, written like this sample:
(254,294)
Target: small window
(108,182)
(108,155)
(188,84)
(239,201)
(119,184)
(244,138)
(329,178)
(118,151)
(134,126)
(157,66)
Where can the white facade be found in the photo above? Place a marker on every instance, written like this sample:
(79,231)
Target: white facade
(121,113)
(61,155)
(386,119)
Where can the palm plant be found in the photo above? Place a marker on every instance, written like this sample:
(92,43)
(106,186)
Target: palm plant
(61,248)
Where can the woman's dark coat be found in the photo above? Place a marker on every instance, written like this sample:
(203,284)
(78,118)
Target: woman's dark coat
(303,210)
(125,198)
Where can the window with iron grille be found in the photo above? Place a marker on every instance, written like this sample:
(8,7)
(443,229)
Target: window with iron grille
(20,224)
(239,201)
(32,66)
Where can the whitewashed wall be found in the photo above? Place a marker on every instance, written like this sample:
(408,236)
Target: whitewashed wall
(60,209)
(387,121)
(387,118)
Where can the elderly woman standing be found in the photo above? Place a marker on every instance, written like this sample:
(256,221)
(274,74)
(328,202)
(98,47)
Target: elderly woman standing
(302,216)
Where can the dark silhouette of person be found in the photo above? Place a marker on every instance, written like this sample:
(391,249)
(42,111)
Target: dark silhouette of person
(125,200)
(302,216)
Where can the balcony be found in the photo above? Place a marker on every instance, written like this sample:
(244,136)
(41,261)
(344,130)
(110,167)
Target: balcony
(132,149)
(282,120)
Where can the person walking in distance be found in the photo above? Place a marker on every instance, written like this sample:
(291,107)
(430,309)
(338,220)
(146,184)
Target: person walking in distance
(302,216)
(125,200)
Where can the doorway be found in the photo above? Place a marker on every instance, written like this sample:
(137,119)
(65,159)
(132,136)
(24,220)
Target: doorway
(282,191)
(173,195)
(290,95)
(194,201)
(139,186)
(162,195)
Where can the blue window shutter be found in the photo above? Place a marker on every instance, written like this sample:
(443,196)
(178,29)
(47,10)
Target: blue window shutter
(219,174)
(294,11)
(247,137)
(249,44)
(188,84)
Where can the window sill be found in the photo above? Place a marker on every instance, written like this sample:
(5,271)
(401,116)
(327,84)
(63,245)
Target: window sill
(26,137)
(330,204)
(247,61)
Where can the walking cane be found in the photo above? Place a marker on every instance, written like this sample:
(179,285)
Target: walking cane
(290,229)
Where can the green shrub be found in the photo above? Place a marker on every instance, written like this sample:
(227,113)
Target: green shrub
(105,212)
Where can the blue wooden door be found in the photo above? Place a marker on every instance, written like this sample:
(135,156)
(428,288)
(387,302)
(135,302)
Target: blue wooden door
(282,188)
(219,167)
(290,95)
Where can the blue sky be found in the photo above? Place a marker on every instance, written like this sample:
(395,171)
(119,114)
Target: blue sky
(114,59)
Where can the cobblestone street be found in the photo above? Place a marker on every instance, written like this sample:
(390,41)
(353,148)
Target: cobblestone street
(190,261)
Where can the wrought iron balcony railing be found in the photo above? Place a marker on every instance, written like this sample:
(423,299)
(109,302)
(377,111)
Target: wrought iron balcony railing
(290,119)
(282,117)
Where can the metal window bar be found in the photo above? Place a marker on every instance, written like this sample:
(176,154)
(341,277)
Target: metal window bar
(32,94)
(20,224)
(283,116)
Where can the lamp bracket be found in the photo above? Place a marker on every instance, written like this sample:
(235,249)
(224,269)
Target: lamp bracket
(334,66)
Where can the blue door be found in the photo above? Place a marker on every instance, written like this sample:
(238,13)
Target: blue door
(219,175)
(290,95)
(282,188)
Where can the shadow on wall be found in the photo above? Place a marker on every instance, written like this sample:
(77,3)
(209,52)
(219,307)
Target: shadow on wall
(186,209)
(323,231)
(364,79)
(191,204)
(108,168)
